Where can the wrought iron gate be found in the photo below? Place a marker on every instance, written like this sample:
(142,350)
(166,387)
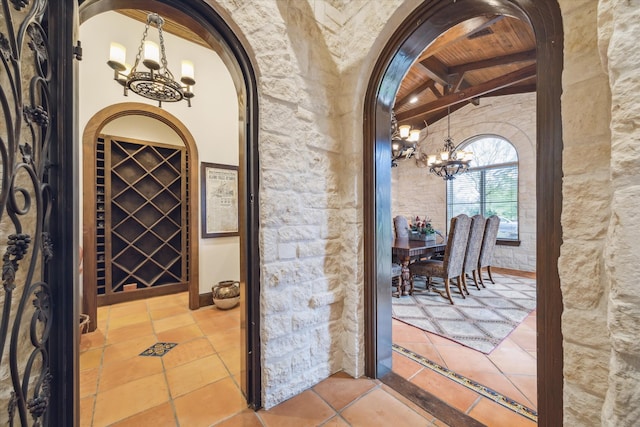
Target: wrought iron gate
(26,203)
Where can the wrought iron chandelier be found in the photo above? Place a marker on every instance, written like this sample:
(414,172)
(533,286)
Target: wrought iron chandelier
(158,83)
(449,162)
(403,140)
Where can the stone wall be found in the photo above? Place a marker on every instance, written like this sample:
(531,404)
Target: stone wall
(314,60)
(415,191)
(585,216)
(619,31)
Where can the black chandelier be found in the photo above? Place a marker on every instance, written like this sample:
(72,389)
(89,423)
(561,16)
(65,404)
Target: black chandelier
(449,162)
(158,83)
(403,140)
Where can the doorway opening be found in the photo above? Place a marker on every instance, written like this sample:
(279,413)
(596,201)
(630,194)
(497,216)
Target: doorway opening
(210,27)
(420,29)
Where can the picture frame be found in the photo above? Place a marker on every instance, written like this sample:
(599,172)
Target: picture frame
(219,195)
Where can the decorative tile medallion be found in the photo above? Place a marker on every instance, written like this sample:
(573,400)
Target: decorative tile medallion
(470,384)
(159,349)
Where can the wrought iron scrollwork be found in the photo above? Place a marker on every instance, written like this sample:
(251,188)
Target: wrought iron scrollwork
(25,202)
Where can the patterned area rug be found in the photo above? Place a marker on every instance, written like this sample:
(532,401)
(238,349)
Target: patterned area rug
(481,321)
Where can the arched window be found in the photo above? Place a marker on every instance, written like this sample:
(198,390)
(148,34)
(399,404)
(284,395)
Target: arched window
(490,187)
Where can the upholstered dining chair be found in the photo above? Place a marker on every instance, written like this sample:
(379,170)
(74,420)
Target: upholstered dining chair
(451,266)
(488,245)
(474,243)
(396,280)
(401,226)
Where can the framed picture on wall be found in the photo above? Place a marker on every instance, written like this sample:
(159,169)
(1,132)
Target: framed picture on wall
(219,190)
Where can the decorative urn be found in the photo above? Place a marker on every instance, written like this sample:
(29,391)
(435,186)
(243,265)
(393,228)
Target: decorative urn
(226,294)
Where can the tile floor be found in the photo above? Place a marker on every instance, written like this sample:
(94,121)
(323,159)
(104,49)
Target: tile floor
(510,369)
(196,383)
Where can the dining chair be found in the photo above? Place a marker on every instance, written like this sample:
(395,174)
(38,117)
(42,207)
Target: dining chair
(396,280)
(474,243)
(488,245)
(451,266)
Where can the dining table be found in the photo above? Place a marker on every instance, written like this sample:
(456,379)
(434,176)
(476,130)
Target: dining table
(405,250)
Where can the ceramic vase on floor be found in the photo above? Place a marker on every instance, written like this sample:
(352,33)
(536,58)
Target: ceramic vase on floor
(226,294)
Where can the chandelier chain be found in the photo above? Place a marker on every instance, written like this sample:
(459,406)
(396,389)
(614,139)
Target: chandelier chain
(163,56)
(139,54)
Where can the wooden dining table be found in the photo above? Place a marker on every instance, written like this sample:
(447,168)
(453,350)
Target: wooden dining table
(405,250)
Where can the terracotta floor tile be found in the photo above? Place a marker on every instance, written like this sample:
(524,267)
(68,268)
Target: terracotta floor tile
(494,415)
(90,359)
(225,339)
(127,349)
(89,381)
(92,340)
(441,341)
(341,389)
(125,320)
(193,375)
(166,301)
(336,421)
(404,366)
(210,325)
(161,415)
(122,371)
(305,409)
(86,411)
(187,352)
(511,359)
(379,408)
(528,385)
(172,322)
(208,312)
(406,333)
(232,360)
(129,399)
(246,418)
(167,311)
(404,400)
(501,384)
(444,389)
(525,337)
(465,361)
(129,332)
(209,404)
(180,335)
(427,350)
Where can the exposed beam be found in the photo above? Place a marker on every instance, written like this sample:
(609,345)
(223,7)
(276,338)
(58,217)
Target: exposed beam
(440,114)
(436,70)
(416,115)
(513,90)
(529,55)
(427,84)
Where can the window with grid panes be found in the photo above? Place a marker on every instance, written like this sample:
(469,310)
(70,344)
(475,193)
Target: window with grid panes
(490,187)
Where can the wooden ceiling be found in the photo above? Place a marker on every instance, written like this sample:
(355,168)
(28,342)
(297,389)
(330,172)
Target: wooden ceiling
(483,56)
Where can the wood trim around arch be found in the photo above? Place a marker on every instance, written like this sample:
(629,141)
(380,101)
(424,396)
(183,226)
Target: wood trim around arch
(422,26)
(89,137)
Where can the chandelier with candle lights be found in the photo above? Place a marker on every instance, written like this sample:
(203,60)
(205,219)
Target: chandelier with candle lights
(158,82)
(403,140)
(449,162)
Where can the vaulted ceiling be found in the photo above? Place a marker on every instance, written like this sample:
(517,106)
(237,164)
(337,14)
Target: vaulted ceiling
(483,56)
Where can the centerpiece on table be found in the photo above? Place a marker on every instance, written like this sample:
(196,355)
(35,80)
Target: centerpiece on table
(422,230)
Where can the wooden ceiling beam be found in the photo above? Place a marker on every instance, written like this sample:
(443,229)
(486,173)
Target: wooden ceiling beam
(515,58)
(427,84)
(435,69)
(417,115)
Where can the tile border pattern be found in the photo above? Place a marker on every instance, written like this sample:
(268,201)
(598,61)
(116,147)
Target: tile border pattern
(469,383)
(159,349)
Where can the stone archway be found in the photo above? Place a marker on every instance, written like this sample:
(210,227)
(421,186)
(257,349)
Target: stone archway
(208,22)
(422,26)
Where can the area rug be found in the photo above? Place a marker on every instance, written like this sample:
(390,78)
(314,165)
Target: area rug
(480,321)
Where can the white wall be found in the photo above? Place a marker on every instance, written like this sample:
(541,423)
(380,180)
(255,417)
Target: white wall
(212,119)
(415,191)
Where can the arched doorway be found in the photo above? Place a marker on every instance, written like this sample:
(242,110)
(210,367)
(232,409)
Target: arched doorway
(422,27)
(90,135)
(210,26)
